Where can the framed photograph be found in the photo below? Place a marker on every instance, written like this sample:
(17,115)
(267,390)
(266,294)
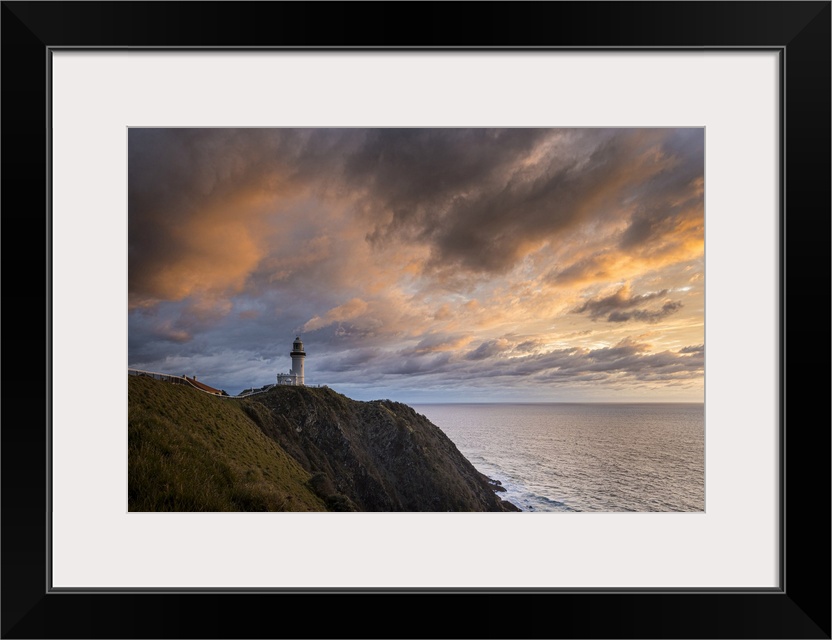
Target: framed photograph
(579,202)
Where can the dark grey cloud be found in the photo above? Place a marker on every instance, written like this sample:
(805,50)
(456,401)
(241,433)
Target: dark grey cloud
(699,349)
(599,307)
(528,345)
(619,307)
(351,360)
(416,365)
(477,197)
(645,315)
(488,349)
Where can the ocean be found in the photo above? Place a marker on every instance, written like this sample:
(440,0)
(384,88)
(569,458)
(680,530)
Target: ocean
(584,457)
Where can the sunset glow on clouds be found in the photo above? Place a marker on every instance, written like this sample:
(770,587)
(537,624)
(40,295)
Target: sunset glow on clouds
(422,264)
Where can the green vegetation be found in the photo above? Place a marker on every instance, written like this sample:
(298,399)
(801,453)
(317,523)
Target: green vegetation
(189,451)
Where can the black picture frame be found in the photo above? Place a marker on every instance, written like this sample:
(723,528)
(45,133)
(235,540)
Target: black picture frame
(799,608)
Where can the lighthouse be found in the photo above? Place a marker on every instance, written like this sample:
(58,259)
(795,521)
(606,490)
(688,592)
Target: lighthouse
(295,375)
(298,356)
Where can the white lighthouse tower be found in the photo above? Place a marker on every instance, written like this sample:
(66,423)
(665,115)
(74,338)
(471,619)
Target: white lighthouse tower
(298,356)
(295,375)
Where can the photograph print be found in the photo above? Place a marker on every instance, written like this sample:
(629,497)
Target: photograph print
(416,319)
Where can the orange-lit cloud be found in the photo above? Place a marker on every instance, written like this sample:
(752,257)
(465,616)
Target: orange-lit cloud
(347,311)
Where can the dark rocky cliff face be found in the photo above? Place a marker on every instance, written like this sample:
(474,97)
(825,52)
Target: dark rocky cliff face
(371,456)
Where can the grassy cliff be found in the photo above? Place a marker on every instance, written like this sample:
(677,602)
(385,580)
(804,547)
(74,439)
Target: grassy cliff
(189,451)
(292,449)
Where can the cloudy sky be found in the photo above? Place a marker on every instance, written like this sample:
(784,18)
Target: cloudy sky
(420,265)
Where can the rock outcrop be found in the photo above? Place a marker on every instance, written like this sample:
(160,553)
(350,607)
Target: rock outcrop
(371,456)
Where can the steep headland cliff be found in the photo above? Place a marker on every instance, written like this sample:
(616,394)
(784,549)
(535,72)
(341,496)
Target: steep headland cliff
(292,449)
